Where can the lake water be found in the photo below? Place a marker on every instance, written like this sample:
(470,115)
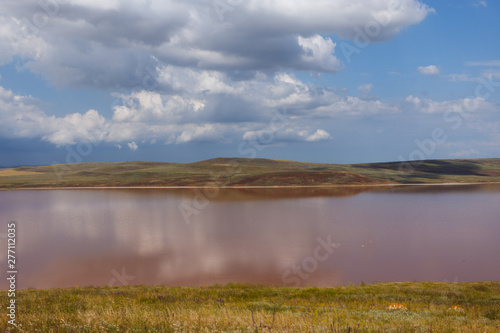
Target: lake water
(315,237)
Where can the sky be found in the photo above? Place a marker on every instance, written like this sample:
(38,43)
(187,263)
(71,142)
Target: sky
(331,81)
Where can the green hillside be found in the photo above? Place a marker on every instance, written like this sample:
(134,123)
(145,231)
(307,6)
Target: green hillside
(238,172)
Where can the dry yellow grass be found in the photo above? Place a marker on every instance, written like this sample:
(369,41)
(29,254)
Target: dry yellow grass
(244,308)
(14,172)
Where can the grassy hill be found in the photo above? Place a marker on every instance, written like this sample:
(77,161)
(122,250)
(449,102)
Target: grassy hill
(238,172)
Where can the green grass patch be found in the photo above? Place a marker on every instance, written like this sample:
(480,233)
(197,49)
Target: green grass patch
(248,308)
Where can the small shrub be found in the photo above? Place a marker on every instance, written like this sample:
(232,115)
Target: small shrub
(492,314)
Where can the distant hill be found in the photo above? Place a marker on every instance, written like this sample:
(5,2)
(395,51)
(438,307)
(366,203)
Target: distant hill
(239,172)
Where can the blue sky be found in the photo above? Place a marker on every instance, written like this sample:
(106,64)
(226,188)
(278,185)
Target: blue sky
(336,81)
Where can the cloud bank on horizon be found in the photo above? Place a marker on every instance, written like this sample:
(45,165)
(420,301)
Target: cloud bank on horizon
(192,73)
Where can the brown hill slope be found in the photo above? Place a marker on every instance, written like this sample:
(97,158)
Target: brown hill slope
(250,172)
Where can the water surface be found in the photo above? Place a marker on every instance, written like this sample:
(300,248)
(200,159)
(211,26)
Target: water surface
(271,236)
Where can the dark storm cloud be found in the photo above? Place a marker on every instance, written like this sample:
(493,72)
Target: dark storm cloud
(113,44)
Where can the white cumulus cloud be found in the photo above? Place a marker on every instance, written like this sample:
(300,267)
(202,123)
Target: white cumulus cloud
(216,108)
(318,52)
(428,70)
(318,136)
(132,145)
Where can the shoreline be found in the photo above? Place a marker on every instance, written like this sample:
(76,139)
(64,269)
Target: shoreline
(242,187)
(256,285)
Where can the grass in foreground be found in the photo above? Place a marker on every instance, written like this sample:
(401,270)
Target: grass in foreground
(244,308)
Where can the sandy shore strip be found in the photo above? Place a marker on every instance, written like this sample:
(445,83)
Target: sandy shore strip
(14,172)
(236,187)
